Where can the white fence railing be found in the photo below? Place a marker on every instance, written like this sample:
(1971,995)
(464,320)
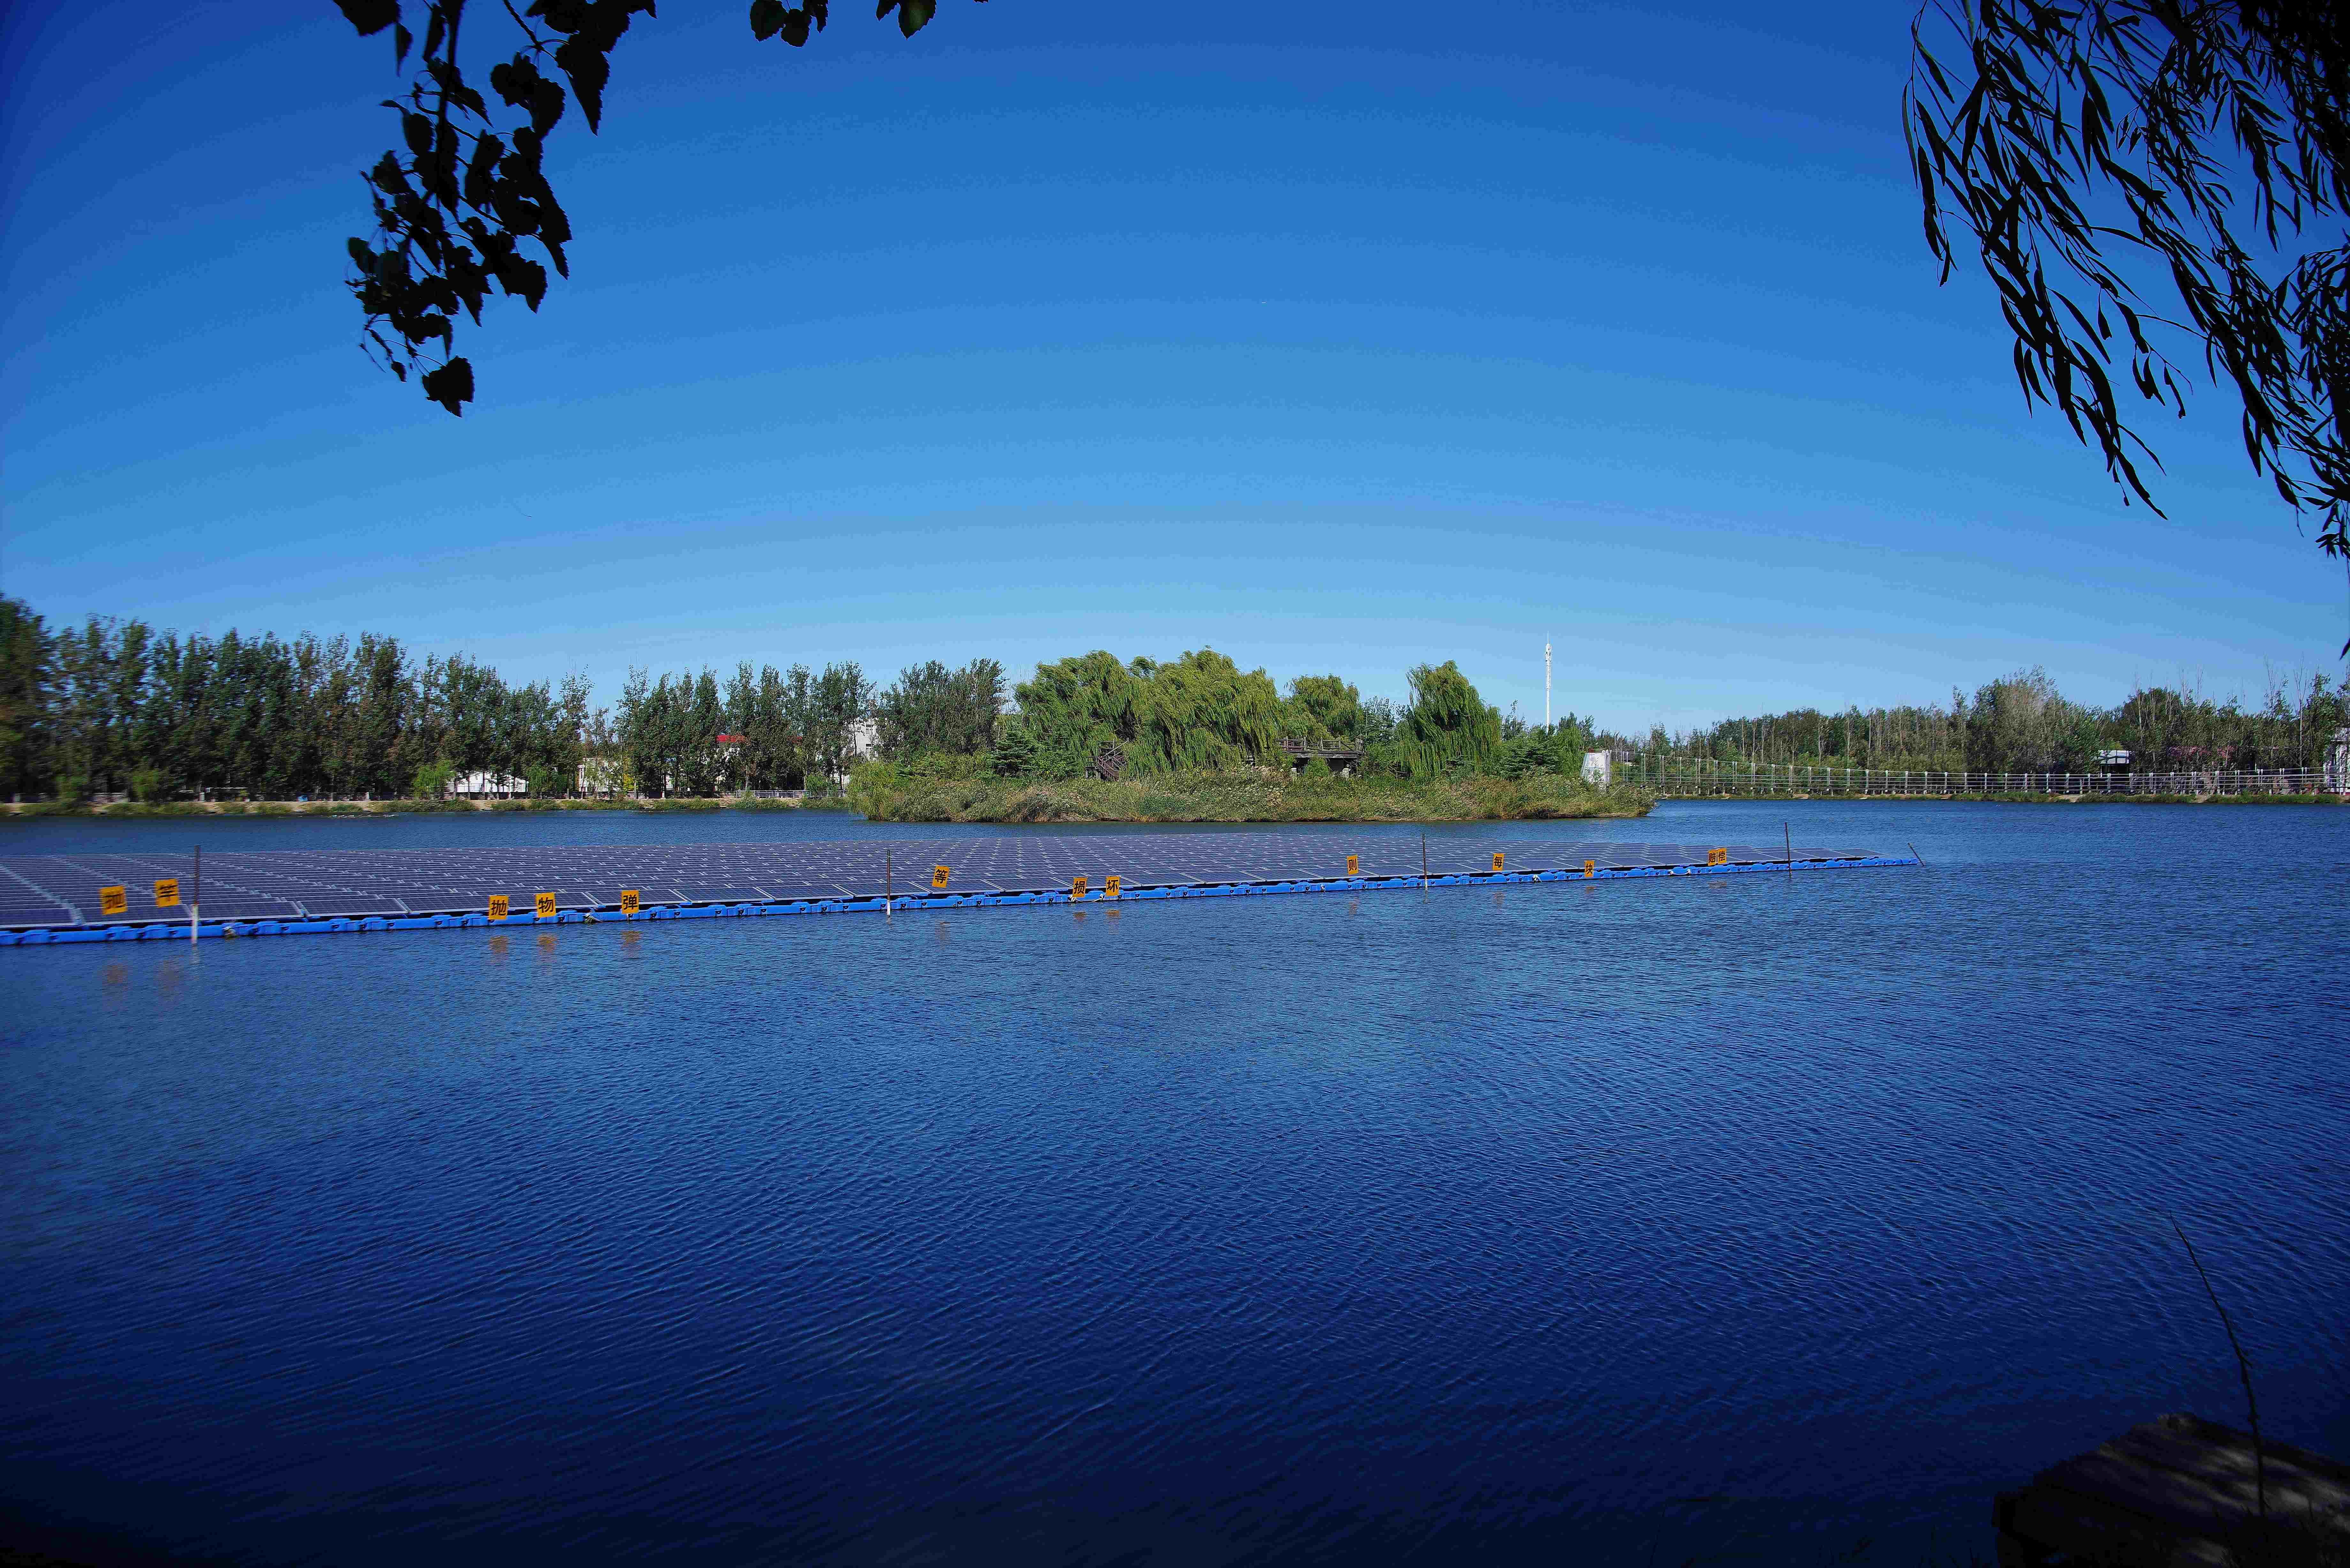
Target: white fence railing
(1682,778)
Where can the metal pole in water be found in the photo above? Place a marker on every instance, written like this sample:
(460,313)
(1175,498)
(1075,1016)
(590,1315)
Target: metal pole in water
(1789,830)
(1423,860)
(195,902)
(888,883)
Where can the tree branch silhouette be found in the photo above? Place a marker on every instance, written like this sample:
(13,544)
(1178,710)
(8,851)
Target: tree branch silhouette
(462,203)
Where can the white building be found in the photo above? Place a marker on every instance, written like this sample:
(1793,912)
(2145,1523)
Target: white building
(1598,768)
(487,786)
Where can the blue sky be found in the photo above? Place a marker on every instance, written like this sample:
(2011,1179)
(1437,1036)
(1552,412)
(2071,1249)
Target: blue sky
(1336,337)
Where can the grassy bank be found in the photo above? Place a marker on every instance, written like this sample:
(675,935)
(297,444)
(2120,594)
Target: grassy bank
(2027,798)
(886,795)
(399,807)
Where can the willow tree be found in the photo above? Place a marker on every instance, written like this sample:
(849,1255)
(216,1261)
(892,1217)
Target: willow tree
(1072,708)
(1324,707)
(1202,714)
(1199,712)
(1448,727)
(2149,184)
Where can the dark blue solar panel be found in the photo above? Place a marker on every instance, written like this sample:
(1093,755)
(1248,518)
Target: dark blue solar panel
(61,889)
(227,908)
(328,904)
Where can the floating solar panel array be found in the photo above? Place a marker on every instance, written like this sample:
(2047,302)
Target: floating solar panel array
(125,898)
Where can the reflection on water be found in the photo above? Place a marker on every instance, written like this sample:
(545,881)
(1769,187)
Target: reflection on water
(1737,1218)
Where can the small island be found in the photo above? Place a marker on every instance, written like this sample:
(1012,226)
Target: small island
(1198,739)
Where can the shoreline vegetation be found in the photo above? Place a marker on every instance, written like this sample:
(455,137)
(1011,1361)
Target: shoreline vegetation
(889,795)
(117,718)
(404,807)
(2015,797)
(1174,799)
(2022,724)
(883,794)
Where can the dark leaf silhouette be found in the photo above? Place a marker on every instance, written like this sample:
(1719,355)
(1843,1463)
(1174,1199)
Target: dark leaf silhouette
(370,16)
(466,189)
(451,385)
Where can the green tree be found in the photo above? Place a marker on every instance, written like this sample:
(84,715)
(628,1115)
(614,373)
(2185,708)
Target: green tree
(1203,712)
(837,701)
(1197,711)
(24,699)
(432,780)
(1015,756)
(1449,728)
(2021,722)
(934,709)
(759,709)
(1322,707)
(1072,708)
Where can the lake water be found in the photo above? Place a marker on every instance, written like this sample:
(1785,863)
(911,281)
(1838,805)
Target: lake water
(1742,1217)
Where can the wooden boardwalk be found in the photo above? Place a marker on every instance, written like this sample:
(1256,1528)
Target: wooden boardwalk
(2181,1493)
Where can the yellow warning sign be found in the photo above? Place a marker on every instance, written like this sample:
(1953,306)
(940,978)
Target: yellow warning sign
(938,876)
(628,900)
(544,904)
(167,892)
(1497,860)
(1717,857)
(1110,886)
(1353,865)
(1077,889)
(114,900)
(497,905)
(1590,868)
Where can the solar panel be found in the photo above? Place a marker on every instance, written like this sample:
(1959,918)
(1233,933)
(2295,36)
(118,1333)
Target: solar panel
(332,905)
(60,891)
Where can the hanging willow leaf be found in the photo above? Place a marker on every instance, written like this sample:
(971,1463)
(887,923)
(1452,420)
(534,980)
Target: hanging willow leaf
(2184,163)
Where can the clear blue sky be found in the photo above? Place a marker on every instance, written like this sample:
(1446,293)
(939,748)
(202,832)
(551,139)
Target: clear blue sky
(1335,337)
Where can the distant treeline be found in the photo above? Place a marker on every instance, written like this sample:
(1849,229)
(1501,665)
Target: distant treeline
(2023,724)
(118,707)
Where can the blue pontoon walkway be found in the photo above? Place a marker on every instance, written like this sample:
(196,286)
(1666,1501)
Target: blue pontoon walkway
(51,899)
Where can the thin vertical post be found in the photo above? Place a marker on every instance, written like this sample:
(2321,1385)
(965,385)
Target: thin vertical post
(1423,860)
(195,902)
(890,883)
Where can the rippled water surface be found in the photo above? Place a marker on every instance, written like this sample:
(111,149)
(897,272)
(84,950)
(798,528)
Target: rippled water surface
(1742,1217)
